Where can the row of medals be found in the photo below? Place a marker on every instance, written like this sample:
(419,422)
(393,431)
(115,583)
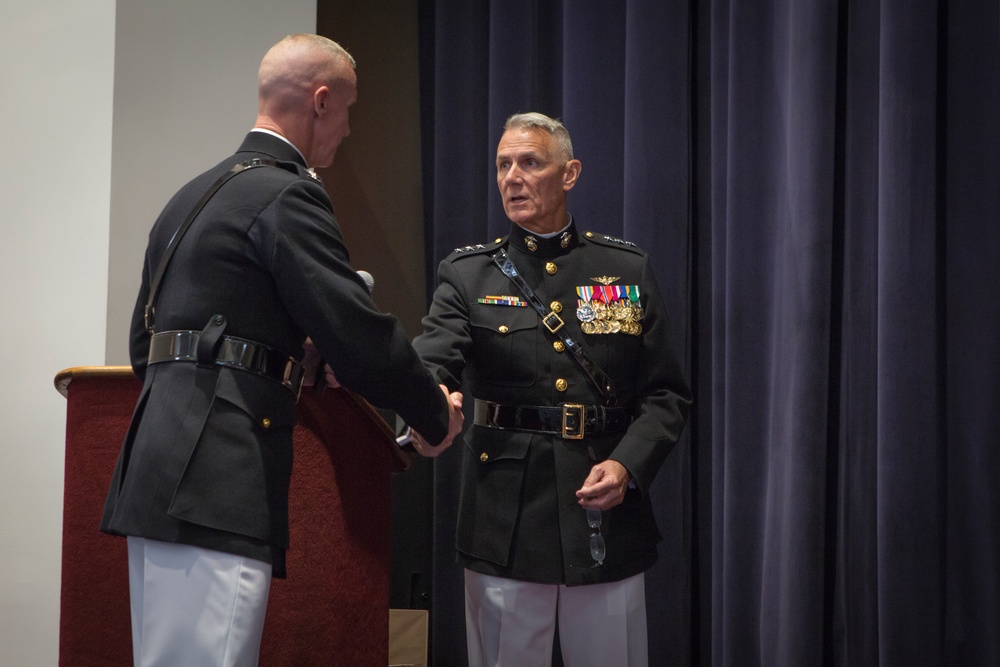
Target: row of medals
(598,317)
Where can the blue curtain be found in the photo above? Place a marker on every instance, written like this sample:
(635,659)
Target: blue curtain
(819,185)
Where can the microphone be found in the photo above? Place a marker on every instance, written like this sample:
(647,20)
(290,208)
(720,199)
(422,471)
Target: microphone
(369,281)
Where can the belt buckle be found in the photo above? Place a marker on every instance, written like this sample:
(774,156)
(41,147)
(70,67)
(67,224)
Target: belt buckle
(572,421)
(556,322)
(295,384)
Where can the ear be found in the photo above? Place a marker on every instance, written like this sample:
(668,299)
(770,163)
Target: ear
(571,172)
(320,98)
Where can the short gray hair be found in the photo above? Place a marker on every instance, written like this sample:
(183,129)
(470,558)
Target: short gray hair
(539,121)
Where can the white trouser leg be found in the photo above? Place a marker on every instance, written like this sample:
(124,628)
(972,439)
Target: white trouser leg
(509,623)
(195,607)
(604,624)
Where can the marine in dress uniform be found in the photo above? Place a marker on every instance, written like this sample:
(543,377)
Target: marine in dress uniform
(540,424)
(201,484)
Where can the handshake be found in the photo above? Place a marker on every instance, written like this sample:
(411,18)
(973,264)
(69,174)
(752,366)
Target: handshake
(318,373)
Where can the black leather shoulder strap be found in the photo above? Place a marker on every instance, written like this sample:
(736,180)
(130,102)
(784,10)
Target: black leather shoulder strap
(150,312)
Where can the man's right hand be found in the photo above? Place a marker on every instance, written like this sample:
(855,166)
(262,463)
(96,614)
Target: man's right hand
(455,420)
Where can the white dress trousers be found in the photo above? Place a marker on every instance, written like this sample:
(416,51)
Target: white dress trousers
(511,623)
(195,607)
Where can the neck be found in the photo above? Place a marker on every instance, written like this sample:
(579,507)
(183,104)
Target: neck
(287,131)
(550,225)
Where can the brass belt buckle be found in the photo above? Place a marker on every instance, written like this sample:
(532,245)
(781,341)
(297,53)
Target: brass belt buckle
(552,322)
(572,421)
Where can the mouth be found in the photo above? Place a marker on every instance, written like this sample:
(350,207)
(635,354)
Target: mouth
(517,199)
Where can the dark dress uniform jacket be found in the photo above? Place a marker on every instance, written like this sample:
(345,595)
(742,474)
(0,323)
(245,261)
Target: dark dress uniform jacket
(518,513)
(208,454)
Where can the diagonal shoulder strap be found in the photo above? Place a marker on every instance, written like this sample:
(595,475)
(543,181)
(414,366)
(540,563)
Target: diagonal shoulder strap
(150,312)
(554,324)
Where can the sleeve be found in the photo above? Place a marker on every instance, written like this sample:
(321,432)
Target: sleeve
(138,335)
(447,338)
(662,398)
(368,350)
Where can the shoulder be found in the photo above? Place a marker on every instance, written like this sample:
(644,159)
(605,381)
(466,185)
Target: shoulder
(279,181)
(481,250)
(613,243)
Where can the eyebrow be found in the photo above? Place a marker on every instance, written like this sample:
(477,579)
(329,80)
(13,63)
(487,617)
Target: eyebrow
(523,155)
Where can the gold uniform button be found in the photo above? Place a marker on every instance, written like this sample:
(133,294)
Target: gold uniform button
(265,422)
(555,307)
(484,457)
(561,384)
(551,268)
(503,328)
(559,346)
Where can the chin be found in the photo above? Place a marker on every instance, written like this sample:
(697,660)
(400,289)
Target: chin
(521,217)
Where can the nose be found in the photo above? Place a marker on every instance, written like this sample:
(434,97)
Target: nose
(513,174)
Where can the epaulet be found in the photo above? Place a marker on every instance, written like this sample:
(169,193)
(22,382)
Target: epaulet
(612,241)
(305,173)
(479,248)
(295,168)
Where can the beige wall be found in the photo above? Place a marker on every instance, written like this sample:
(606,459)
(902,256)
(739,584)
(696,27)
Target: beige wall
(185,95)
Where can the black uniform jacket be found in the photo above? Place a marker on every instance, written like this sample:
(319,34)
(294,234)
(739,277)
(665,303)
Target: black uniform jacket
(518,514)
(208,454)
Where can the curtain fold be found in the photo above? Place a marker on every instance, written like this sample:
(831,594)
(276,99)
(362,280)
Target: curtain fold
(819,186)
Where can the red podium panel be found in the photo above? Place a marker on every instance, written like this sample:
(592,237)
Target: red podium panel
(332,609)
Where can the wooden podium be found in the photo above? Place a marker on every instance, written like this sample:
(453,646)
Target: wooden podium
(331,610)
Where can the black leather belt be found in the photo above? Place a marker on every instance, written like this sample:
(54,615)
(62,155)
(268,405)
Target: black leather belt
(232,352)
(572,421)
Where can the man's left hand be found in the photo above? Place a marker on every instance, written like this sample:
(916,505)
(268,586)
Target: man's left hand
(604,487)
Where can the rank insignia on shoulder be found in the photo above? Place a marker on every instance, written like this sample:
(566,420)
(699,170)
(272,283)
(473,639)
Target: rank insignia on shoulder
(612,239)
(604,238)
(502,300)
(469,248)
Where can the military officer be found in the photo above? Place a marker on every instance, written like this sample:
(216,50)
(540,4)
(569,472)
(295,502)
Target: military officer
(200,489)
(563,338)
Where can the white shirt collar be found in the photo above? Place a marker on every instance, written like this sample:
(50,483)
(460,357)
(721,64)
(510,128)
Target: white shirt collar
(551,234)
(275,134)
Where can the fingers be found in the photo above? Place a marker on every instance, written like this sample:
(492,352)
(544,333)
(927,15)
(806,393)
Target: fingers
(331,379)
(455,416)
(429,451)
(604,487)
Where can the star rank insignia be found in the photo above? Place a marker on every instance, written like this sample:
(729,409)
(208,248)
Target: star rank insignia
(612,239)
(469,248)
